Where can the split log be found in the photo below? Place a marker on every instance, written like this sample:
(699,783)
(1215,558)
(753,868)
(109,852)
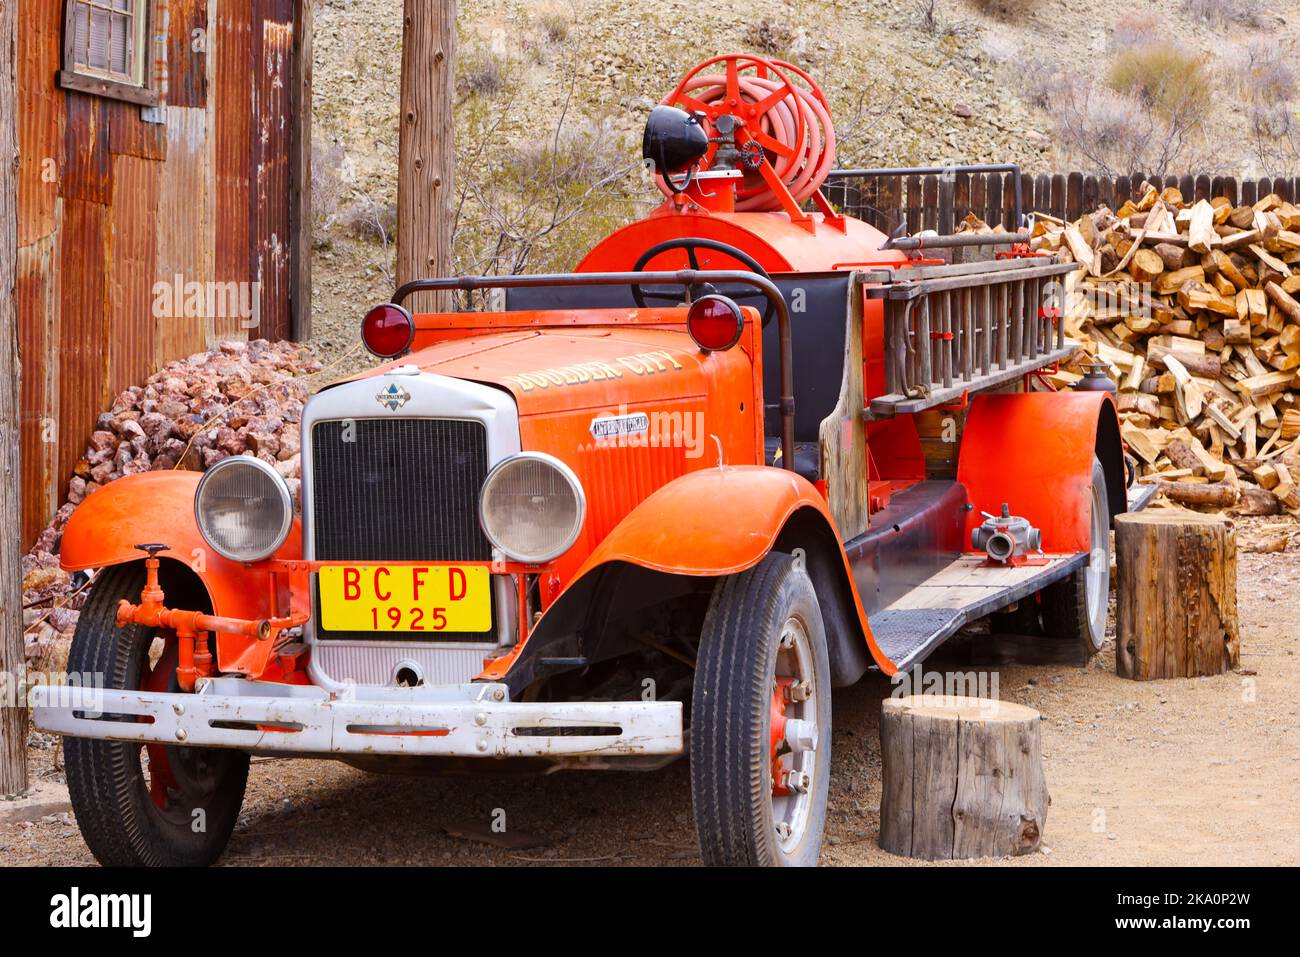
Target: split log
(1257,501)
(962,778)
(1176,606)
(1146,265)
(1290,424)
(1208,366)
(1219,494)
(1172,256)
(1200,230)
(1284,301)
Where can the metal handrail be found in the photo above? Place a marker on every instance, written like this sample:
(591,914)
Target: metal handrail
(681,277)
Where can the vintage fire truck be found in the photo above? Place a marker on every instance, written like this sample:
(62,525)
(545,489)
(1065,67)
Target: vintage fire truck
(655,508)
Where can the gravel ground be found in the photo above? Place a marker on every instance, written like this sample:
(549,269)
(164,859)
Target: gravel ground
(1169,772)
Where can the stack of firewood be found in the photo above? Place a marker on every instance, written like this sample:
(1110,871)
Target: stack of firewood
(1192,308)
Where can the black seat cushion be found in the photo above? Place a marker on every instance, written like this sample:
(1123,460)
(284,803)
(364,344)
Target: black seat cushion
(807,457)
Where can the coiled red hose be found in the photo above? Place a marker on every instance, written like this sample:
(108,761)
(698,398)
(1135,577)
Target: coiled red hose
(803,172)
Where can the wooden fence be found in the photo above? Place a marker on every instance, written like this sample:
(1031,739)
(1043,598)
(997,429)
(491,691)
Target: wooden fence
(941,202)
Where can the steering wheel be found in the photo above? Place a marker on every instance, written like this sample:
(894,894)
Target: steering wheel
(691,244)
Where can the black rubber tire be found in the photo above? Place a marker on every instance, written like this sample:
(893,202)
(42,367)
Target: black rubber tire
(107,784)
(731,713)
(1064,605)
(1024,620)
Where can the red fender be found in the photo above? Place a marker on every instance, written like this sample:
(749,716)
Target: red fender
(715,522)
(1034,451)
(159,507)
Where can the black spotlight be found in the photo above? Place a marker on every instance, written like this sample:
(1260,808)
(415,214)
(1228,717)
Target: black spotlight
(674,140)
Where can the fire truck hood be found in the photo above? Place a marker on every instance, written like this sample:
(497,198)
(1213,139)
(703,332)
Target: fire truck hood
(549,370)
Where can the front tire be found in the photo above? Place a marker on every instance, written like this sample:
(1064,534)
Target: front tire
(144,805)
(761,720)
(1075,608)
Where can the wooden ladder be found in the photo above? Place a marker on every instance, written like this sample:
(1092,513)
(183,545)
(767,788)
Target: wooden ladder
(955,329)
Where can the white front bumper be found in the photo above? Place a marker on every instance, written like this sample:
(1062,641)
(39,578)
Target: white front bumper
(473,720)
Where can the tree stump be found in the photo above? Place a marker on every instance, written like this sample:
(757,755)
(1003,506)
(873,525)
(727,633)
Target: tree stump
(1176,595)
(963,777)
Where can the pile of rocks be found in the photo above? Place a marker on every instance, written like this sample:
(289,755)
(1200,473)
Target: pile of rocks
(241,398)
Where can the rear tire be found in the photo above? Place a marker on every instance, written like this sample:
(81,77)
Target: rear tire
(1024,620)
(763,627)
(138,805)
(1075,608)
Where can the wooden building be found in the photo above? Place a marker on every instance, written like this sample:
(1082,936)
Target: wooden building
(163,183)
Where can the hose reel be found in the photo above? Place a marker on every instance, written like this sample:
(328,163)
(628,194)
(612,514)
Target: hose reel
(765,119)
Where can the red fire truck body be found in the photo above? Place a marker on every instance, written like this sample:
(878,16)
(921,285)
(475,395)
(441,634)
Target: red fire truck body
(657,506)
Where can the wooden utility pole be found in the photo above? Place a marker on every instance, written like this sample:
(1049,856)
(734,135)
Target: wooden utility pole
(428,156)
(13,720)
(300,174)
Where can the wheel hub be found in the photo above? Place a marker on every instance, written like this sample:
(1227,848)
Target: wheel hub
(793,735)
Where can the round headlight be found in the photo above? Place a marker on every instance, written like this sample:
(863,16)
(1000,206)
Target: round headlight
(532,507)
(243,508)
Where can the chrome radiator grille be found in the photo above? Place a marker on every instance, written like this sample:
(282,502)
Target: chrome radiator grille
(398,490)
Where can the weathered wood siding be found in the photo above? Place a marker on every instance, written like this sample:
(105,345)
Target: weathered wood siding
(111,205)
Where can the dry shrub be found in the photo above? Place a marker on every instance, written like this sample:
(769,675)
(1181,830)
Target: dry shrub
(329,187)
(1135,30)
(1114,133)
(1266,71)
(1243,13)
(581,152)
(481,72)
(555,28)
(372,220)
(926,13)
(1268,84)
(536,205)
(768,37)
(1000,49)
(1004,9)
(1163,77)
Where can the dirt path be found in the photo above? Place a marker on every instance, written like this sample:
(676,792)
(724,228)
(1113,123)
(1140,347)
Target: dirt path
(1171,772)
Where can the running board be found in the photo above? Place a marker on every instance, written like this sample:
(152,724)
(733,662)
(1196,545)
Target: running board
(909,629)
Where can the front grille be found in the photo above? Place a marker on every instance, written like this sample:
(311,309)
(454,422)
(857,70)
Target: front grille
(399,490)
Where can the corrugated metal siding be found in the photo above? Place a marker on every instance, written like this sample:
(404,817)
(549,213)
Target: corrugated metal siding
(187,68)
(38,335)
(233,157)
(271,166)
(83,286)
(185,230)
(132,271)
(111,205)
(129,135)
(87,156)
(40,121)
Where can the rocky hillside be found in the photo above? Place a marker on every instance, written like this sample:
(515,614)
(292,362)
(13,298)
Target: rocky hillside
(552,95)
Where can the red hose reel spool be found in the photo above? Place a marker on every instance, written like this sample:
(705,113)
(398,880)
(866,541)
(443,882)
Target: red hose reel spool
(787,130)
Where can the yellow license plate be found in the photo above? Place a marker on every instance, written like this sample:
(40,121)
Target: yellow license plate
(406,598)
